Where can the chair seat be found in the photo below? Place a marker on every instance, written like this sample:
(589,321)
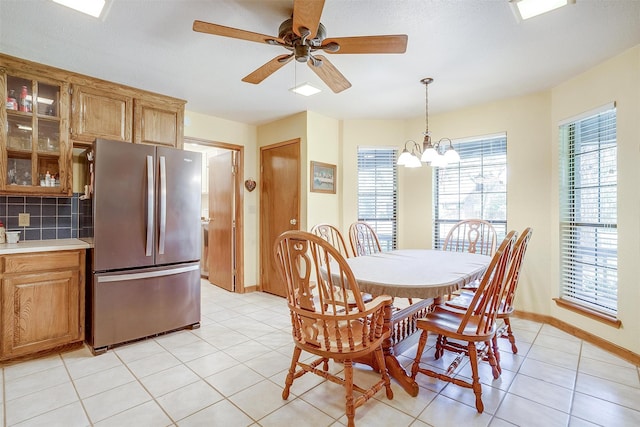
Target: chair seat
(462,301)
(446,322)
(332,338)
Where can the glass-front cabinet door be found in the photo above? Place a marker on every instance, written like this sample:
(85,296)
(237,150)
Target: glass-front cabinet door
(34,141)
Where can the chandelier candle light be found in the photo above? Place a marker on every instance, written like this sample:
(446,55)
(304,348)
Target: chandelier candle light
(430,153)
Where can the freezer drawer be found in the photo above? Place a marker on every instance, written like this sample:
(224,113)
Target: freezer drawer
(128,305)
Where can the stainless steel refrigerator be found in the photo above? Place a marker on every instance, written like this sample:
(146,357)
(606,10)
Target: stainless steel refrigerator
(143,218)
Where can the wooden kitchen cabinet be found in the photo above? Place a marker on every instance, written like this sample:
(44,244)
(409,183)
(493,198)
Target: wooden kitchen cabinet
(100,113)
(158,122)
(34,140)
(42,301)
(66,109)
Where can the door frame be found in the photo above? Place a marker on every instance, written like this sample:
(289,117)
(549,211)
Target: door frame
(239,219)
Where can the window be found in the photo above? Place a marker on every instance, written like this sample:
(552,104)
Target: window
(377,192)
(588,211)
(474,188)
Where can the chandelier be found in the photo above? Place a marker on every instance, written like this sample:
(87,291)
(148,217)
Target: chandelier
(438,154)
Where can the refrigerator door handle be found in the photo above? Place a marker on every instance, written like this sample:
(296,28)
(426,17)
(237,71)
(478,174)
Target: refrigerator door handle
(150,205)
(163,204)
(146,275)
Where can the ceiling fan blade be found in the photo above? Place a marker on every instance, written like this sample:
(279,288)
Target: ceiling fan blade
(234,33)
(267,69)
(367,44)
(306,13)
(329,74)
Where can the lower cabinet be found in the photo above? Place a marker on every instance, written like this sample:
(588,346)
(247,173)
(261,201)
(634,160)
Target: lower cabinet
(42,301)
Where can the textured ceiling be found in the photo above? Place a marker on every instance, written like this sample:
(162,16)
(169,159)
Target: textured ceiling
(474,49)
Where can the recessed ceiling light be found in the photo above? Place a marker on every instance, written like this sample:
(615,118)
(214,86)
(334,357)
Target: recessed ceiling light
(525,9)
(90,7)
(305,89)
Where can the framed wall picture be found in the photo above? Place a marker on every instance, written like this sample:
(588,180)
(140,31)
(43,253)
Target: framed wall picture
(323,178)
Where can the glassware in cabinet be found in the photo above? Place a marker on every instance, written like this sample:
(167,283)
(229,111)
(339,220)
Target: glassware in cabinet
(35,139)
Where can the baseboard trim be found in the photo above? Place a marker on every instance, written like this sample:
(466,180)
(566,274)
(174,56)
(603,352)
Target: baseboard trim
(621,352)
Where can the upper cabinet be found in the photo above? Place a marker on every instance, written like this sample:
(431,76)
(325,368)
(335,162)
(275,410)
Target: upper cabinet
(158,122)
(34,139)
(45,111)
(100,113)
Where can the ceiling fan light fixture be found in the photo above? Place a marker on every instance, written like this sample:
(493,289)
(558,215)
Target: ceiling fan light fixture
(90,7)
(305,89)
(525,9)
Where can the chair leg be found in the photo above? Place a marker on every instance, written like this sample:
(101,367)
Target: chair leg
(496,353)
(292,370)
(477,387)
(416,362)
(512,339)
(348,385)
(491,358)
(440,342)
(383,370)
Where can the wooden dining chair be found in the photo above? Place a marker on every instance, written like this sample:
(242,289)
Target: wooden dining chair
(475,326)
(328,330)
(363,238)
(333,236)
(506,308)
(475,236)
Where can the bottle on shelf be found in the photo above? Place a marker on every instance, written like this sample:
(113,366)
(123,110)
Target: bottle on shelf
(47,180)
(12,102)
(24,105)
(2,233)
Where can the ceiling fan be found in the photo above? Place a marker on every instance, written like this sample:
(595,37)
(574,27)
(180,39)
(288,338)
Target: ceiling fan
(303,35)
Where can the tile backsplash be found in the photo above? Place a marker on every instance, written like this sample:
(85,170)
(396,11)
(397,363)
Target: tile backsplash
(50,217)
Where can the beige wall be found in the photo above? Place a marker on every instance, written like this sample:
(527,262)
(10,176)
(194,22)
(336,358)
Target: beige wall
(615,80)
(526,121)
(323,145)
(286,129)
(530,123)
(365,133)
(214,129)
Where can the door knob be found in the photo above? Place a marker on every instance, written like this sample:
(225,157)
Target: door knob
(293,221)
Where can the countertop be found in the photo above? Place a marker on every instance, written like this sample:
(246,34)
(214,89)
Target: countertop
(27,246)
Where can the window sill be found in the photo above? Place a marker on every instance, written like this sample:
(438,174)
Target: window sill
(592,314)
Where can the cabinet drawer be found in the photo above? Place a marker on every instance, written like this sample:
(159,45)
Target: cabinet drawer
(41,261)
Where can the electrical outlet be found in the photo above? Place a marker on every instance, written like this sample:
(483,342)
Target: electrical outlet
(24,220)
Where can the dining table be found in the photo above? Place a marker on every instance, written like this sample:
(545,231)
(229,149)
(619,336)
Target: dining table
(424,276)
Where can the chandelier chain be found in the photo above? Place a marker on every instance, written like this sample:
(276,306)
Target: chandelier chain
(426,109)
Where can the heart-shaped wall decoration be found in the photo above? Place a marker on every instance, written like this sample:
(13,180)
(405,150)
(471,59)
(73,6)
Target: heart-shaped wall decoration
(250,184)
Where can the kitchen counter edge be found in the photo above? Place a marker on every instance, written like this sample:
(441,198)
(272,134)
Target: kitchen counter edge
(28,246)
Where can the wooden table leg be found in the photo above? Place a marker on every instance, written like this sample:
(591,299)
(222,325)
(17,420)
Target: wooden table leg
(401,324)
(396,371)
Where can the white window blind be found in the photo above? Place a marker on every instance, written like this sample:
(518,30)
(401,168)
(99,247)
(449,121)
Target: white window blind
(377,192)
(588,211)
(474,188)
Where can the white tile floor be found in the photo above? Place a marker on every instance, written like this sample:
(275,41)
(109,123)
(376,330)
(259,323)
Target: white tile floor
(231,371)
